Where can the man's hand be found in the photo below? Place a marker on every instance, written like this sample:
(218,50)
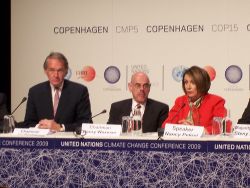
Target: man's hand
(49,124)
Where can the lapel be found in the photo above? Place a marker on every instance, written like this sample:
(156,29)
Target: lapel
(47,96)
(127,108)
(148,111)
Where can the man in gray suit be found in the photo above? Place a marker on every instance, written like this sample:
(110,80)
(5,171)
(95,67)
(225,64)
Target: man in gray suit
(57,104)
(153,112)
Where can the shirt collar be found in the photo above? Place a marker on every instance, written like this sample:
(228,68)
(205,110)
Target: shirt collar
(134,103)
(53,88)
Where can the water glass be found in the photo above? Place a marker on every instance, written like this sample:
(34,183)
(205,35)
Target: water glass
(8,124)
(136,126)
(222,126)
(216,125)
(126,124)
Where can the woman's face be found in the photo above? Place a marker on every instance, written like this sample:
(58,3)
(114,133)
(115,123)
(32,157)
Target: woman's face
(190,88)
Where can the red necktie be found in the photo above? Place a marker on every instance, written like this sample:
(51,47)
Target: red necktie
(56,101)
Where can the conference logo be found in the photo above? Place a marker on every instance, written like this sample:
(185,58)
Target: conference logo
(87,73)
(139,68)
(112,74)
(69,74)
(211,72)
(177,72)
(233,74)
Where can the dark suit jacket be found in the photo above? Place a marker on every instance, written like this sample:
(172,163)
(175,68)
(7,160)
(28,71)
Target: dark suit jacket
(3,109)
(154,115)
(73,108)
(245,119)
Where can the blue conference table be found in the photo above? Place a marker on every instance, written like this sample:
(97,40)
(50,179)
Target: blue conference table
(63,160)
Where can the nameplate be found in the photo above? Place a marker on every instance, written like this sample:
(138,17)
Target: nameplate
(241,130)
(103,130)
(182,131)
(31,131)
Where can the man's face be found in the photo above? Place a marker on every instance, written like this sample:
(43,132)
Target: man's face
(139,87)
(55,72)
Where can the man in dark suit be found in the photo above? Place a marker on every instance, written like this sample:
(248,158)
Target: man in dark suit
(57,104)
(3,110)
(153,112)
(245,119)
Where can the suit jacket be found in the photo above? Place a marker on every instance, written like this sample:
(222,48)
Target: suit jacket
(155,113)
(245,119)
(3,109)
(211,106)
(73,108)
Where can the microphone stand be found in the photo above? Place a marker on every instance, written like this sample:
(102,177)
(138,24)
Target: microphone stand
(160,133)
(9,121)
(161,130)
(79,129)
(23,100)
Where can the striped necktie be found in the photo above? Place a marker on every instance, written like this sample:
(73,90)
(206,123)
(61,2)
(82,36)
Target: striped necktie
(137,110)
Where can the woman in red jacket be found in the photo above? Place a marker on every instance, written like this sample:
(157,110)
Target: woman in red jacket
(197,106)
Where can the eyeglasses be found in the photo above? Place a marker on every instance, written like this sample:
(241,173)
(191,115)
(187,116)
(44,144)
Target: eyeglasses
(144,86)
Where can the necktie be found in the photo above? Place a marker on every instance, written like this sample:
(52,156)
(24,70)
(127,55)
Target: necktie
(56,101)
(137,110)
(137,119)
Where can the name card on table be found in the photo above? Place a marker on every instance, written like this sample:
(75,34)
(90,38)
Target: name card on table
(241,130)
(182,131)
(32,131)
(102,130)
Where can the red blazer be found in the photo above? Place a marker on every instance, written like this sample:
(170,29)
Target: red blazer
(211,106)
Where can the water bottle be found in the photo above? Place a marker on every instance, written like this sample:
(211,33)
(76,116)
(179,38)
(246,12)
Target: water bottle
(227,125)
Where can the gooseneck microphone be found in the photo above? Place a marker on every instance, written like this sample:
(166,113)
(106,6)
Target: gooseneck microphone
(79,129)
(102,112)
(161,130)
(23,100)
(182,106)
(9,121)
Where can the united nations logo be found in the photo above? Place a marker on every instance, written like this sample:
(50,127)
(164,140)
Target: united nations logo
(177,72)
(112,74)
(233,74)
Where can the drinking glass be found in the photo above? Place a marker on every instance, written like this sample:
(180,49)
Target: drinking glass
(126,124)
(136,125)
(216,125)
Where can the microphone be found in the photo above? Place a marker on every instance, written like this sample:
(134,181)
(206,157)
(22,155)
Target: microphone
(161,130)
(102,112)
(182,106)
(23,100)
(9,121)
(79,129)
